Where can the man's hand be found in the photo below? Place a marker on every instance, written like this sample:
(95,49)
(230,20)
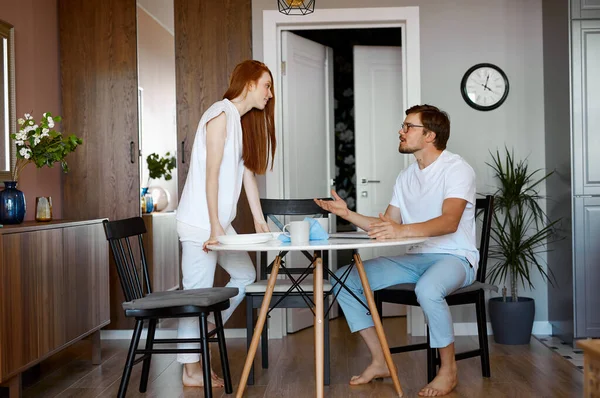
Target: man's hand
(337,206)
(261,226)
(386,228)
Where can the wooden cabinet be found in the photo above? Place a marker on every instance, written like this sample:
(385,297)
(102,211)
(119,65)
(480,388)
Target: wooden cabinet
(585,9)
(203,66)
(161,244)
(99,91)
(99,87)
(53,289)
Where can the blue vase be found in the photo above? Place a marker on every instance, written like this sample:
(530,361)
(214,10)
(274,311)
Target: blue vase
(12,204)
(146,201)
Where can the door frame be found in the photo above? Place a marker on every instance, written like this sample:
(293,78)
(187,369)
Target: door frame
(274,22)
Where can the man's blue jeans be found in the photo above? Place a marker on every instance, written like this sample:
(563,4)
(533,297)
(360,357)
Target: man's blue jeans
(436,276)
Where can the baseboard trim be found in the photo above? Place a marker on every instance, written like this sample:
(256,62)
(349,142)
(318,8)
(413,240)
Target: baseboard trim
(163,334)
(470,328)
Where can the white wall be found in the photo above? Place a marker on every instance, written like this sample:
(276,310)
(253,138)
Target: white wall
(455,36)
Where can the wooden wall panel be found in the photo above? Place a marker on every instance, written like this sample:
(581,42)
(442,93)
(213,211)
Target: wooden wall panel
(211,38)
(22,280)
(98,60)
(86,296)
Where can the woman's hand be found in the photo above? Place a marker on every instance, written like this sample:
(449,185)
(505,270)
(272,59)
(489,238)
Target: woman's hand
(261,226)
(386,228)
(337,206)
(215,231)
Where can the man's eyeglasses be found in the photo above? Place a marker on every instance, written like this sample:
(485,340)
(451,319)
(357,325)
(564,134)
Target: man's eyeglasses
(406,126)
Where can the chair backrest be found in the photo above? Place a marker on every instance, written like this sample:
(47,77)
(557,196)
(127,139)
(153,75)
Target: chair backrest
(485,208)
(274,208)
(120,235)
(290,207)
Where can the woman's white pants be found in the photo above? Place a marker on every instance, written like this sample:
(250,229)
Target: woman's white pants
(198,269)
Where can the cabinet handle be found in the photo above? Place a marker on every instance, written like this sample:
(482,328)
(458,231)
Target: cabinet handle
(183,151)
(132,152)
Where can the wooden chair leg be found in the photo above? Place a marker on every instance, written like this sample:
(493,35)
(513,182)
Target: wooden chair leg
(223,352)
(483,337)
(264,344)
(205,356)
(146,365)
(249,328)
(135,340)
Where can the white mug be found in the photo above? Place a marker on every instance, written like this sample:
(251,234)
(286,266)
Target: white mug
(298,231)
(324,221)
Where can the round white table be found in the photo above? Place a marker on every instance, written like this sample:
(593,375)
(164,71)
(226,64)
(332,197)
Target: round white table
(317,245)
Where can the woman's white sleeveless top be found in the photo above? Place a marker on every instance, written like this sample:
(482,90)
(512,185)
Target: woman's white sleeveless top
(193,208)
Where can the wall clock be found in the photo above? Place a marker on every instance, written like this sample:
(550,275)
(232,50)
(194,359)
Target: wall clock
(484,87)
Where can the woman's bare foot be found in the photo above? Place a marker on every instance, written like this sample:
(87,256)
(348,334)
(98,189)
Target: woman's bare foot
(193,376)
(445,381)
(374,370)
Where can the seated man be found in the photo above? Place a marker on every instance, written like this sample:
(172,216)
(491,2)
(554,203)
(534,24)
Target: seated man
(433,197)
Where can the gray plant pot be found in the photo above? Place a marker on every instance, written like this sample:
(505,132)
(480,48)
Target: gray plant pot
(512,321)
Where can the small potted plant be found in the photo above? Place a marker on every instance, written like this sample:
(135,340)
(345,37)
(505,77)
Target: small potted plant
(158,167)
(36,143)
(520,233)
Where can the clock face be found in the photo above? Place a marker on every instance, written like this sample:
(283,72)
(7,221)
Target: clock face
(484,87)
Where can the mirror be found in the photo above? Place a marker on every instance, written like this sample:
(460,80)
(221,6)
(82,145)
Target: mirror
(8,123)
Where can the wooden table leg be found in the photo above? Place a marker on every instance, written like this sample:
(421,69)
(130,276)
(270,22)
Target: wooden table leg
(260,323)
(319,325)
(377,321)
(96,348)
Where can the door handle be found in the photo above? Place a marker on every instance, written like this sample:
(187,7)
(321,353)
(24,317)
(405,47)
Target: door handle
(132,152)
(365,181)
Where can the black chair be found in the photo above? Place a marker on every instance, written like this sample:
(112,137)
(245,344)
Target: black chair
(289,293)
(472,294)
(143,305)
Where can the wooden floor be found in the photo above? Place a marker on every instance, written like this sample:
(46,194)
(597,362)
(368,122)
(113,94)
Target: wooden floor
(517,371)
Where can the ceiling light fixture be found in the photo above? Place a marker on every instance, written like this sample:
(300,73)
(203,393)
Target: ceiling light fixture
(296,7)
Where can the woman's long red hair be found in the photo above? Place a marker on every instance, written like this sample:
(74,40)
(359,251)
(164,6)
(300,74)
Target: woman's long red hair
(258,126)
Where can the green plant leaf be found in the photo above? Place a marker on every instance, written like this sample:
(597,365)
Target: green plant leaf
(520,228)
(161,166)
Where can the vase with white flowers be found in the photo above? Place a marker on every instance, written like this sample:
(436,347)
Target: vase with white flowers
(38,143)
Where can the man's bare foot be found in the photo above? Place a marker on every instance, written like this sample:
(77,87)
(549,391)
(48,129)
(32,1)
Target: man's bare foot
(374,370)
(193,376)
(445,381)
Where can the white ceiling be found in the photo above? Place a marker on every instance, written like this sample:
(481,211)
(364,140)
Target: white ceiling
(160,10)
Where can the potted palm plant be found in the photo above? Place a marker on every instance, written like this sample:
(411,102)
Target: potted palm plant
(520,233)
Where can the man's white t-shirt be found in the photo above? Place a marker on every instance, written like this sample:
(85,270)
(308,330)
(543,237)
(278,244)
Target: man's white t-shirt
(193,208)
(419,194)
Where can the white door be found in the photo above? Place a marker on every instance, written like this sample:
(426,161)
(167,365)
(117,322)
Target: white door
(378,112)
(308,136)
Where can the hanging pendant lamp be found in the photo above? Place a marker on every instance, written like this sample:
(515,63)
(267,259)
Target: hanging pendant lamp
(296,7)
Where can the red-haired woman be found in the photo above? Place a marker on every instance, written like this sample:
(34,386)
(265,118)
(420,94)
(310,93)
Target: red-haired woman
(234,140)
